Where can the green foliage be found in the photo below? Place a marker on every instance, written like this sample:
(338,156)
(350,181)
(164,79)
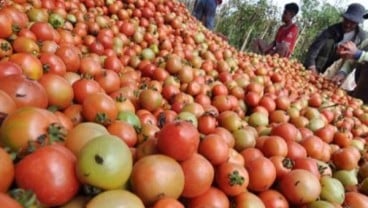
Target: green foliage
(244,20)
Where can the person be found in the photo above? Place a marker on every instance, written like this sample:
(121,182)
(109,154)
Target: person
(322,52)
(205,11)
(358,59)
(286,35)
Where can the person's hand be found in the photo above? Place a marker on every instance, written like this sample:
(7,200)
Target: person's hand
(347,50)
(338,78)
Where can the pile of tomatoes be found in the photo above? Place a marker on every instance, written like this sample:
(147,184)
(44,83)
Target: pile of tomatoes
(133,103)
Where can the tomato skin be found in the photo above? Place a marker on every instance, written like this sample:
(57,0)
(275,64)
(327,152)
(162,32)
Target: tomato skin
(6,171)
(199,174)
(9,68)
(104,156)
(262,174)
(157,176)
(273,198)
(52,63)
(300,187)
(247,199)
(115,199)
(99,107)
(59,91)
(25,92)
(30,64)
(355,200)
(27,124)
(7,107)
(57,183)
(179,140)
(214,197)
(5,25)
(232,178)
(8,202)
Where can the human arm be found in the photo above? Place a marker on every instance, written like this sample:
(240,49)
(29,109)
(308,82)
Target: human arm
(314,49)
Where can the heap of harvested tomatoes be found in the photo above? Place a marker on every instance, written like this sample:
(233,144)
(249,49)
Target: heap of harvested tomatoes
(133,103)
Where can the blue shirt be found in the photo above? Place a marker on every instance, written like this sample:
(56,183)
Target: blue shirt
(205,11)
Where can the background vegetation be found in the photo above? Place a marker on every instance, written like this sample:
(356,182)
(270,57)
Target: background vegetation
(243,20)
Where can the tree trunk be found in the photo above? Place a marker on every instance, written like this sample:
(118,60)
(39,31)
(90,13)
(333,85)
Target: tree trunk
(246,39)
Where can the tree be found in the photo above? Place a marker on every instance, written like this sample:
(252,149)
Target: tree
(243,20)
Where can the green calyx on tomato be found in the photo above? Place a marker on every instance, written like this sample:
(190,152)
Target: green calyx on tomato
(56,20)
(26,198)
(235,178)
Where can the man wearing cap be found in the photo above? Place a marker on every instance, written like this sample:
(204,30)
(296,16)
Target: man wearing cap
(205,11)
(286,35)
(355,58)
(322,52)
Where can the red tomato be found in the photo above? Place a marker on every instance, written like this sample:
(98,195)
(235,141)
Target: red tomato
(50,173)
(9,68)
(99,107)
(30,125)
(214,197)
(52,63)
(8,202)
(59,90)
(24,92)
(179,140)
(6,171)
(168,203)
(232,178)
(199,174)
(5,25)
(157,176)
(300,187)
(262,174)
(29,63)
(273,198)
(7,106)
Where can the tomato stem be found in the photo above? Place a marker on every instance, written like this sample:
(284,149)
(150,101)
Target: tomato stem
(235,178)
(25,197)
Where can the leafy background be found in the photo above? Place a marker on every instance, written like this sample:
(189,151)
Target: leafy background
(252,19)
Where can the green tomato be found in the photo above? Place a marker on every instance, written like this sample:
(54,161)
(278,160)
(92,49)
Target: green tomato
(105,162)
(148,54)
(315,124)
(116,199)
(244,138)
(346,177)
(131,118)
(258,119)
(332,190)
(320,204)
(187,116)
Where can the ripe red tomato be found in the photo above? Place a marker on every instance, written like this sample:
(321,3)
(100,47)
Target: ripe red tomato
(231,178)
(157,176)
(99,107)
(5,25)
(6,170)
(214,197)
(300,187)
(199,174)
(247,199)
(273,198)
(30,64)
(179,140)
(59,90)
(262,174)
(50,173)
(8,202)
(52,63)
(30,125)
(25,92)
